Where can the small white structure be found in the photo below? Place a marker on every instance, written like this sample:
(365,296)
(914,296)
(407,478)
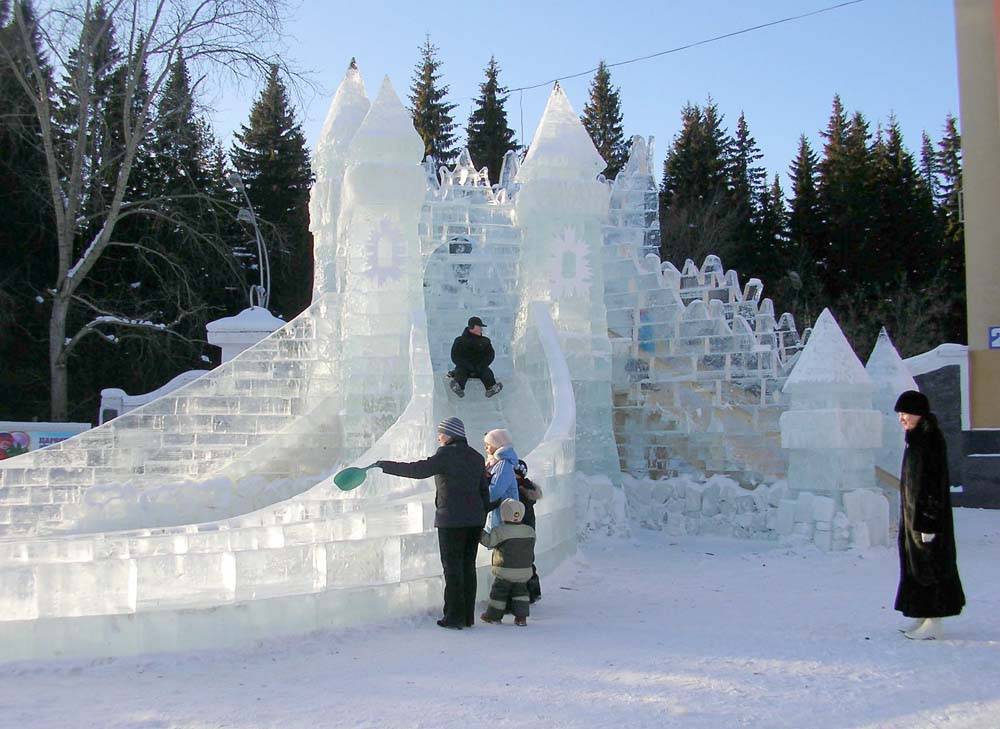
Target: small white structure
(234,334)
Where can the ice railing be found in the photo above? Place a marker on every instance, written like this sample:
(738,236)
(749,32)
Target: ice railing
(310,562)
(446,182)
(254,431)
(696,356)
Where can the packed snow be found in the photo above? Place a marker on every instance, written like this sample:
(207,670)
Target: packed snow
(644,631)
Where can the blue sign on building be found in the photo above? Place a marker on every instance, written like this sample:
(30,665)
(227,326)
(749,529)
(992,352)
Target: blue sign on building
(993,336)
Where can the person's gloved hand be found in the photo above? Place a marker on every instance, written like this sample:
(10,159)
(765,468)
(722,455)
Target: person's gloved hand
(926,538)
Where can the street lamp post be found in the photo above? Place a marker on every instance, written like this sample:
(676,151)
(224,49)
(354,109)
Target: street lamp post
(262,290)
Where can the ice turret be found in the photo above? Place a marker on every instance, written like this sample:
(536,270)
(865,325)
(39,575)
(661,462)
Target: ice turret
(384,188)
(831,433)
(633,220)
(890,377)
(560,208)
(347,110)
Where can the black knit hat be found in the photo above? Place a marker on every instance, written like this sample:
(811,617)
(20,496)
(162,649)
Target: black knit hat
(476,322)
(913,403)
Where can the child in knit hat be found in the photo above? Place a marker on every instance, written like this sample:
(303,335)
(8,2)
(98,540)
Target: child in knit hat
(513,545)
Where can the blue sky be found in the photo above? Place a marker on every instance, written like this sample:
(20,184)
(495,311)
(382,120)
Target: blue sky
(881,56)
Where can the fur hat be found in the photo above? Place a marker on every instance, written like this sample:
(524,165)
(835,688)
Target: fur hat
(498,438)
(452,427)
(511,511)
(914,403)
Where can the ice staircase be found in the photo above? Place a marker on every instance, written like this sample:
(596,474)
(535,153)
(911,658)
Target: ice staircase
(319,559)
(699,360)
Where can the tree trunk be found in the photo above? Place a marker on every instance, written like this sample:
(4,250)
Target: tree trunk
(58,367)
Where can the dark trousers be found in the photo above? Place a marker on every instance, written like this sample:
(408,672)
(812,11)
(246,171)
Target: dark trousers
(504,593)
(461,374)
(459,546)
(534,589)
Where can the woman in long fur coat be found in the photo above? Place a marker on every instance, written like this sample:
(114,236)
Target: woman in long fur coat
(929,585)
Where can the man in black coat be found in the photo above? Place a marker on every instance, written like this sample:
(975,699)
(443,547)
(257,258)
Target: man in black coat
(472,353)
(460,497)
(929,584)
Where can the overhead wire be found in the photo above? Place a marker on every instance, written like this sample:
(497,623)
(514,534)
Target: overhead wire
(521,89)
(695,44)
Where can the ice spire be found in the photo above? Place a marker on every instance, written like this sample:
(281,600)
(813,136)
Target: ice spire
(891,377)
(387,134)
(887,369)
(827,361)
(347,110)
(561,146)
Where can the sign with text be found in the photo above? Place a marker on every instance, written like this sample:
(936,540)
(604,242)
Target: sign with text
(20,437)
(993,337)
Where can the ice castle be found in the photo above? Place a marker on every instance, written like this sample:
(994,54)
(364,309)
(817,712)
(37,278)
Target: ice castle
(209,516)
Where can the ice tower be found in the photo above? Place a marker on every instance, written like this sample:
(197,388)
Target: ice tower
(560,208)
(830,429)
(383,191)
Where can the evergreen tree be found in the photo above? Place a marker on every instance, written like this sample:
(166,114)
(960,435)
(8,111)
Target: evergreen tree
(928,165)
(602,118)
(25,228)
(748,192)
(846,202)
(949,204)
(696,217)
(431,113)
(89,109)
(801,283)
(270,155)
(183,140)
(772,230)
(902,236)
(489,135)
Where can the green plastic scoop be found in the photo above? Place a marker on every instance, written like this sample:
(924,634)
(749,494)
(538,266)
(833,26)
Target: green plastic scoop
(350,478)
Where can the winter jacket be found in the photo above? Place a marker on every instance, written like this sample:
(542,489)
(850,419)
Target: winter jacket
(528,494)
(503,482)
(513,548)
(472,351)
(929,584)
(461,487)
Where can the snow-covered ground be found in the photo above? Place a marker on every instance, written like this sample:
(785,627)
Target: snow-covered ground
(649,631)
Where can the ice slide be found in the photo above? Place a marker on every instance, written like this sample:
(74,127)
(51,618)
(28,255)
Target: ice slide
(208,517)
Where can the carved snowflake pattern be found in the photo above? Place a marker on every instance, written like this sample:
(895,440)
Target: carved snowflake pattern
(385,253)
(569,269)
